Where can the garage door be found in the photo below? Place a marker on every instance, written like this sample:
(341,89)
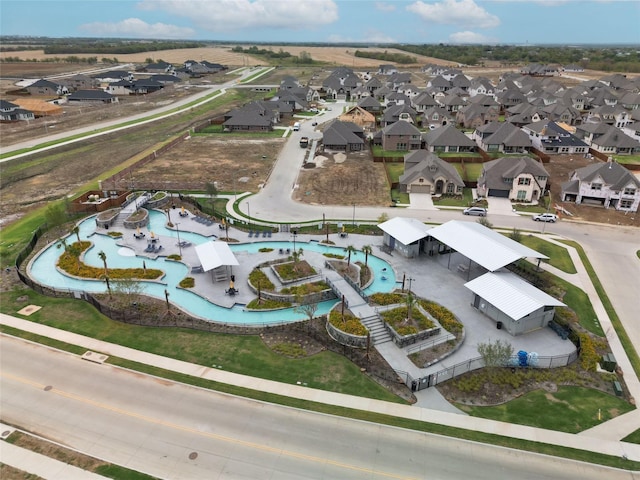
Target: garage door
(498,193)
(420,188)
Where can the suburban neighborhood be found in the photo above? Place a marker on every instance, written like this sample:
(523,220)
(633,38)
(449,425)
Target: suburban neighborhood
(328,211)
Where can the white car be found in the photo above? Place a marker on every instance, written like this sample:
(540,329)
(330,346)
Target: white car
(545,217)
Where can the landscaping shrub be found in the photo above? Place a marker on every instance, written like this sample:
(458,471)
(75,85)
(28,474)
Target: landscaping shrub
(267,304)
(443,315)
(70,262)
(188,282)
(350,324)
(397,318)
(380,298)
(258,278)
(589,357)
(305,288)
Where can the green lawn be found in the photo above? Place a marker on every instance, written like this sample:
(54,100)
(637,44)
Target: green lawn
(395,170)
(464,201)
(579,302)
(558,256)
(570,409)
(633,437)
(245,354)
(627,159)
(379,152)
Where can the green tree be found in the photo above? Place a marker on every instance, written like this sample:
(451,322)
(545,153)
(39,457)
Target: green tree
(349,250)
(76,231)
(367,250)
(103,256)
(496,354)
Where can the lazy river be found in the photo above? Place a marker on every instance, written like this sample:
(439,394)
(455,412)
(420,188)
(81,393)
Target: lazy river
(43,270)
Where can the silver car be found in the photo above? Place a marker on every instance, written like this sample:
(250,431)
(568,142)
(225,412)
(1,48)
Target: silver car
(478,211)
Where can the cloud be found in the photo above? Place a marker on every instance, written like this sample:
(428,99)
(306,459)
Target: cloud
(134,27)
(471,37)
(454,12)
(229,15)
(385,7)
(376,36)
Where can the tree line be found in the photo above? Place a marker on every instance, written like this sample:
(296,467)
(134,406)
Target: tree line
(387,57)
(622,59)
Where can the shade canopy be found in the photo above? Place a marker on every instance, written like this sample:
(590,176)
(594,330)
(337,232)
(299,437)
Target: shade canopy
(405,230)
(215,254)
(482,245)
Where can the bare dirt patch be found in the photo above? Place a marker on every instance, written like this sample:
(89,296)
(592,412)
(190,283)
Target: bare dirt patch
(236,163)
(560,168)
(354,180)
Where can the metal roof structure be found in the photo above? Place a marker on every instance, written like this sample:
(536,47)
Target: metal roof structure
(215,254)
(482,245)
(405,230)
(511,294)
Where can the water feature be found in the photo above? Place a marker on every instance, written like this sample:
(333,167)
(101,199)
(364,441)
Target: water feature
(43,270)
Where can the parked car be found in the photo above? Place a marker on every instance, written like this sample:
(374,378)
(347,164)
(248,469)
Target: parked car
(545,217)
(478,211)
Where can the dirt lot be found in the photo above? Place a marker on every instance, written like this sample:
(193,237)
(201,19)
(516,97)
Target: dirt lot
(560,168)
(338,178)
(240,162)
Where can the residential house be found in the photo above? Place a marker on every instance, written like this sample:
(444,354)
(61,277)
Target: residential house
(158,67)
(481,86)
(398,79)
(452,103)
(448,139)
(439,83)
(396,113)
(475,115)
(422,102)
(539,70)
(521,179)
(550,138)
(343,136)
(505,138)
(46,88)
(630,100)
(632,130)
(436,117)
(606,184)
(397,98)
(10,112)
(359,116)
(113,76)
(399,136)
(370,104)
(615,142)
(425,172)
(572,68)
(340,83)
(387,69)
(80,82)
(612,114)
(559,112)
(247,120)
(91,96)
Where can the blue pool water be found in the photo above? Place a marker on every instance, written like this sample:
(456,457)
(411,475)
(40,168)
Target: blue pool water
(43,270)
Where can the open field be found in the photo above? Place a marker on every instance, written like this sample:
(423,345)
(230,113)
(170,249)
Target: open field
(224,55)
(340,179)
(232,162)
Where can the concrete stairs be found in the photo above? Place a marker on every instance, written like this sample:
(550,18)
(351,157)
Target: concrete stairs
(375,325)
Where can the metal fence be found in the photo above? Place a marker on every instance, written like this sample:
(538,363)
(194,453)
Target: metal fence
(478,363)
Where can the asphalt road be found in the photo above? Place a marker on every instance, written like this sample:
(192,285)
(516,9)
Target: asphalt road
(175,431)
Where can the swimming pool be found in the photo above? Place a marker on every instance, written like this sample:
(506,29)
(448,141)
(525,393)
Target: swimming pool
(42,269)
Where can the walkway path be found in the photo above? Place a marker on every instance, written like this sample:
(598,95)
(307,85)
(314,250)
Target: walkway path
(40,465)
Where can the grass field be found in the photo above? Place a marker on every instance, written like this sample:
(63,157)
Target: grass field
(558,256)
(570,409)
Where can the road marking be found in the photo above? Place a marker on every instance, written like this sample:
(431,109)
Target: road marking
(231,440)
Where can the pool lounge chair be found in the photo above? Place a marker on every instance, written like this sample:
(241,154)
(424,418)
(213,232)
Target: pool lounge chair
(250,233)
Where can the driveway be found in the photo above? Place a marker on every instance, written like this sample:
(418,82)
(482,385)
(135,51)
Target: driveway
(501,206)
(421,201)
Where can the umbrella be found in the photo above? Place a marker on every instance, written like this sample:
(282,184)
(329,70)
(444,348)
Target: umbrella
(138,230)
(152,236)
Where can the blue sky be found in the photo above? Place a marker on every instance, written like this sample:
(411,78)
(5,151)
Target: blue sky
(387,21)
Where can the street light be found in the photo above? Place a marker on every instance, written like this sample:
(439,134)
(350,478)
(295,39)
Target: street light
(294,234)
(249,212)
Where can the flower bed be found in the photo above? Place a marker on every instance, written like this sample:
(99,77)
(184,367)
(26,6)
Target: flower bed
(443,315)
(406,332)
(293,271)
(380,298)
(348,331)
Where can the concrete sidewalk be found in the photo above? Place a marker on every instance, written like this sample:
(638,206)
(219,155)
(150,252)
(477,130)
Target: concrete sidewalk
(40,465)
(582,442)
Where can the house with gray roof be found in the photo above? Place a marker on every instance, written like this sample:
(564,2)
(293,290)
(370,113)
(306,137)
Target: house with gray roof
(247,120)
(550,138)
(91,96)
(343,136)
(340,83)
(521,179)
(10,112)
(475,115)
(425,172)
(370,104)
(395,113)
(401,136)
(46,88)
(607,184)
(615,142)
(422,102)
(504,138)
(448,139)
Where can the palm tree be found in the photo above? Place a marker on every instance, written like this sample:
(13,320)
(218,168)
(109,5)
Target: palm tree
(103,256)
(366,249)
(212,191)
(76,230)
(349,250)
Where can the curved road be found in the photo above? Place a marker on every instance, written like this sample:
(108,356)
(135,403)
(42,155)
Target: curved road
(176,431)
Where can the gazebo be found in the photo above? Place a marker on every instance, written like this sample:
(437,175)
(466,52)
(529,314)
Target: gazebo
(216,257)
